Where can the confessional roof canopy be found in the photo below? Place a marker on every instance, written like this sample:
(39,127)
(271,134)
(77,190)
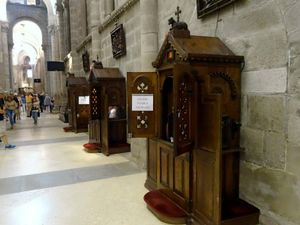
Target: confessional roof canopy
(195,48)
(104,73)
(76,81)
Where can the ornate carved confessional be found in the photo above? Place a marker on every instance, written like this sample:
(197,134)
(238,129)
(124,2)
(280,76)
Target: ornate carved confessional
(193,129)
(78,105)
(108,122)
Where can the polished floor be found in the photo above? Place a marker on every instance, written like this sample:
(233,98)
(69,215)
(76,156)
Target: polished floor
(48,179)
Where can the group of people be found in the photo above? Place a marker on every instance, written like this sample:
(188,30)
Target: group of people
(11,106)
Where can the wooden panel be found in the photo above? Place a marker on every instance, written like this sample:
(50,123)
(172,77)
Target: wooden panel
(83,112)
(104,124)
(204,191)
(207,161)
(142,123)
(79,114)
(152,160)
(181,175)
(95,104)
(165,166)
(117,131)
(230,175)
(94,131)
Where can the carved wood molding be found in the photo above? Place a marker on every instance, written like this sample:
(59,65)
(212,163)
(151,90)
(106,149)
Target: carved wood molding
(229,80)
(183,112)
(116,14)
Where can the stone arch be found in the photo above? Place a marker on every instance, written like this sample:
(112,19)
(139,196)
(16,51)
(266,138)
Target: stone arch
(36,14)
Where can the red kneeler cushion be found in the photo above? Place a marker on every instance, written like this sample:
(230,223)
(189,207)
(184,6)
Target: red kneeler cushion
(91,147)
(165,209)
(67,129)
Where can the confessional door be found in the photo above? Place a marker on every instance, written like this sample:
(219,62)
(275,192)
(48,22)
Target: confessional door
(81,108)
(207,156)
(142,104)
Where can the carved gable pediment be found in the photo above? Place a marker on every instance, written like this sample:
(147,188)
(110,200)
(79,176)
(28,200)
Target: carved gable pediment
(193,48)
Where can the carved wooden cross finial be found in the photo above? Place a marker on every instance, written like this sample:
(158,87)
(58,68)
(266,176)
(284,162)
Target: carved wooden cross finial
(177,13)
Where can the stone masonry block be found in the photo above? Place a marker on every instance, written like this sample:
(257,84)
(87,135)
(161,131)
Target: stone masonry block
(273,190)
(294,39)
(293,159)
(139,151)
(293,112)
(265,81)
(130,41)
(149,42)
(150,20)
(267,112)
(258,49)
(251,20)
(275,150)
(294,76)
(253,142)
(244,103)
(293,129)
(291,17)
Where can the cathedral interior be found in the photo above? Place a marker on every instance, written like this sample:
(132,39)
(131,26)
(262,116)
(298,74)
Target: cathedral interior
(166,112)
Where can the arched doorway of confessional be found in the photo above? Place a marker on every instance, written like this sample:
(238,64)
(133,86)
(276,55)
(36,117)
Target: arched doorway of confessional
(28,61)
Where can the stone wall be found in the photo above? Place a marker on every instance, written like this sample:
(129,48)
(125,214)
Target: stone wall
(131,25)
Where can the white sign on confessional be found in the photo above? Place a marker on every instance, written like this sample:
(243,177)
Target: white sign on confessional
(142,102)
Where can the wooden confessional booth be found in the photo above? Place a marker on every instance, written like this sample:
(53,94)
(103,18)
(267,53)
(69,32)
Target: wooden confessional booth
(190,110)
(78,103)
(108,122)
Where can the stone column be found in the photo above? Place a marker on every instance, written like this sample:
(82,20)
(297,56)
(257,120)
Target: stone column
(11,80)
(95,21)
(67,26)
(60,10)
(149,33)
(47,85)
(149,50)
(109,7)
(4,58)
(53,31)
(102,11)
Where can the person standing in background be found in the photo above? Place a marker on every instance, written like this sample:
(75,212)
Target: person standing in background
(41,99)
(47,103)
(23,102)
(17,111)
(28,104)
(3,136)
(35,109)
(10,107)
(51,104)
